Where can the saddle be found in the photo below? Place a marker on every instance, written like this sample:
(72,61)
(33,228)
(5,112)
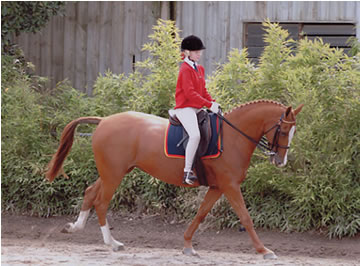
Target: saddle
(207,138)
(204,127)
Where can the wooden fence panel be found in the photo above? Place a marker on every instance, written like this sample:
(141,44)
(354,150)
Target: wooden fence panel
(44,68)
(81,46)
(105,37)
(139,21)
(70,44)
(57,33)
(224,15)
(91,38)
(95,36)
(117,32)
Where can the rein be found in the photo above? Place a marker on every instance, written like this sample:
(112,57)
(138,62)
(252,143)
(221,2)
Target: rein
(263,144)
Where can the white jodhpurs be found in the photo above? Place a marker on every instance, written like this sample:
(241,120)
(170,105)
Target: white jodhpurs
(188,119)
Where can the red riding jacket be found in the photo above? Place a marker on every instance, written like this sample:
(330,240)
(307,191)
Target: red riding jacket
(190,88)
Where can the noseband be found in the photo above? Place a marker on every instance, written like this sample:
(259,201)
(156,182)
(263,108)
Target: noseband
(266,147)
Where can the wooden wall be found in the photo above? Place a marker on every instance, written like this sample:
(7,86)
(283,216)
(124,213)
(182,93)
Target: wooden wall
(91,38)
(221,23)
(96,36)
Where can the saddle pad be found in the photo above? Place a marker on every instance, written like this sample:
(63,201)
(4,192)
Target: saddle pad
(174,135)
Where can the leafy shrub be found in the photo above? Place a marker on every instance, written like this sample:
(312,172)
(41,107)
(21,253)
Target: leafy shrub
(112,92)
(160,69)
(28,121)
(44,113)
(319,187)
(26,16)
(355,46)
(229,83)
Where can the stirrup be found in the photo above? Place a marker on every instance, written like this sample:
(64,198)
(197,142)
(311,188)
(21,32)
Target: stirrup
(189,178)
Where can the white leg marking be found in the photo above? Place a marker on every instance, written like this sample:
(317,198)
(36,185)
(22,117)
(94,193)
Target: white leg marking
(81,221)
(109,240)
(79,224)
(291,135)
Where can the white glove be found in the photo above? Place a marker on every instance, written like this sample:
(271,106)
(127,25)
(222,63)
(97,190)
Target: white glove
(214,107)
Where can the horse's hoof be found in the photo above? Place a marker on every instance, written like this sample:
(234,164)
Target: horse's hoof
(67,228)
(270,256)
(190,252)
(119,248)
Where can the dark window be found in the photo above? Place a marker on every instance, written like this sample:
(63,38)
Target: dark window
(334,34)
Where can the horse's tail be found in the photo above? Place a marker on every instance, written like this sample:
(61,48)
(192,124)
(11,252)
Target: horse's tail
(66,141)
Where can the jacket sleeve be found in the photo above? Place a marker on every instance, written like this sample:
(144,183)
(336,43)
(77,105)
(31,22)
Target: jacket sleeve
(208,96)
(190,91)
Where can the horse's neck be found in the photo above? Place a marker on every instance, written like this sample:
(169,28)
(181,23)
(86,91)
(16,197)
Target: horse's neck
(253,118)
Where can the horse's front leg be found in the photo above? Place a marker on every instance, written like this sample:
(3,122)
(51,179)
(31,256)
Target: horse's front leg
(88,202)
(212,195)
(234,195)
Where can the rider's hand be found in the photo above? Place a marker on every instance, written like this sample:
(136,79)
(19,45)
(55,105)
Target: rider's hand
(214,107)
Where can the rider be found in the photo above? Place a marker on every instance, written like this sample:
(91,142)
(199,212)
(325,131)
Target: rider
(190,96)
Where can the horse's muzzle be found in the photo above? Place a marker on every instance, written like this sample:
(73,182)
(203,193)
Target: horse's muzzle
(277,160)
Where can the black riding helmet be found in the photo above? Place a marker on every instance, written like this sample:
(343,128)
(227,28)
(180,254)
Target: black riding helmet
(192,43)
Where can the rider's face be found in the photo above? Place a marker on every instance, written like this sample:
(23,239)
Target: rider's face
(195,55)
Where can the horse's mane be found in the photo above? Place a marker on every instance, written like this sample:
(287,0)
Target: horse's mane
(254,102)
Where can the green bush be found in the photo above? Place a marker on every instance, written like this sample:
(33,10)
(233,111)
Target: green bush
(355,46)
(33,118)
(31,124)
(319,188)
(26,16)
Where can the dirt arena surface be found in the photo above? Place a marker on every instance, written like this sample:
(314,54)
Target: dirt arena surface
(151,241)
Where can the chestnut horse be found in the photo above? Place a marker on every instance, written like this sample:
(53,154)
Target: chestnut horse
(127,140)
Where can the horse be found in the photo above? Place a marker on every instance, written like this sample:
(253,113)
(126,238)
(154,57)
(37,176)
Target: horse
(131,139)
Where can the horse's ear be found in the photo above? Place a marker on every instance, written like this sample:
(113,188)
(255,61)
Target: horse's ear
(288,110)
(297,110)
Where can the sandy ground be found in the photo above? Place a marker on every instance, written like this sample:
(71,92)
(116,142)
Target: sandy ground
(151,241)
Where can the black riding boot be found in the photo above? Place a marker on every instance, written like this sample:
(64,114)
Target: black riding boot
(189,178)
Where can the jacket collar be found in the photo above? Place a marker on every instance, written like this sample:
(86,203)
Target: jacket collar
(190,62)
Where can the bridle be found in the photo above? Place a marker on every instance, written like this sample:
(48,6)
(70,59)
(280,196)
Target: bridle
(275,143)
(266,147)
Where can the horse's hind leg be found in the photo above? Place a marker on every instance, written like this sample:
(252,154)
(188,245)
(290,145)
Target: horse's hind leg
(88,202)
(211,197)
(102,201)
